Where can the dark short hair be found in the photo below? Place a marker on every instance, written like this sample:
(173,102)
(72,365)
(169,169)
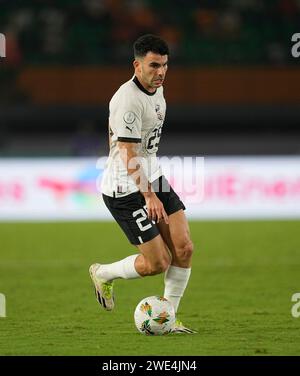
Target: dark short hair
(150,43)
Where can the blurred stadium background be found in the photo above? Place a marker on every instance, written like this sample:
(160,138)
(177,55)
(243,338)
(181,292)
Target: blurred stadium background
(232,90)
(233,85)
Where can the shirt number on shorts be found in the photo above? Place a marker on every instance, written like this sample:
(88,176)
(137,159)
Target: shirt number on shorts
(143,217)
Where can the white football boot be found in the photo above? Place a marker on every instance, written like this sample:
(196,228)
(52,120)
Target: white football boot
(103,289)
(180,328)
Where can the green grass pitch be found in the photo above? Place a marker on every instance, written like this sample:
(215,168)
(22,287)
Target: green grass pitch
(239,296)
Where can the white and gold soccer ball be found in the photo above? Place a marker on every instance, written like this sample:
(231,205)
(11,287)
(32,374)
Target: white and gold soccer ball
(154,315)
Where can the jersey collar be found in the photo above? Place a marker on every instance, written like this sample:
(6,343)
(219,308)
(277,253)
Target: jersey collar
(141,87)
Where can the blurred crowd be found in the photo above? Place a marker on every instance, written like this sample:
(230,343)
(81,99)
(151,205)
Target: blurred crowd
(242,32)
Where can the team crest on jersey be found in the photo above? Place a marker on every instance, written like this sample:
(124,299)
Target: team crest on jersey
(129,117)
(159,114)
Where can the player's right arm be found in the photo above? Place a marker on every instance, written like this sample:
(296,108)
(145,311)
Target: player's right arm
(129,152)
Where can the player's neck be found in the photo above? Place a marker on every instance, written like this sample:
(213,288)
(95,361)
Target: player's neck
(141,85)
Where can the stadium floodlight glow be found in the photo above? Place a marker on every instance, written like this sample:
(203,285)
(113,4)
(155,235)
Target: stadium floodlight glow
(2,45)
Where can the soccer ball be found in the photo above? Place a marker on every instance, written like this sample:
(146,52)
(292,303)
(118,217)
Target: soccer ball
(154,315)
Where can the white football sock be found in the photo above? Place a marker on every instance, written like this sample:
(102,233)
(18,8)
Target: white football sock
(121,269)
(176,280)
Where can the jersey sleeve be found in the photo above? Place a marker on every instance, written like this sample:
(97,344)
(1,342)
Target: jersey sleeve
(128,120)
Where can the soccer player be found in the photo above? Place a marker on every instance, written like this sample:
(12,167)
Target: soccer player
(134,189)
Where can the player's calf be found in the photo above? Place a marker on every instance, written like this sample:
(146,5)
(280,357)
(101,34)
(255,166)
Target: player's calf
(158,267)
(148,267)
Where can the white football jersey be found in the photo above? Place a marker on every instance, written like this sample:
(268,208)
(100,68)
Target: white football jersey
(135,115)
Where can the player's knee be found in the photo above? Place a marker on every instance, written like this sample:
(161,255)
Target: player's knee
(185,250)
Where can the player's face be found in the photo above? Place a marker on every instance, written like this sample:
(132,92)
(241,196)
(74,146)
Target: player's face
(151,70)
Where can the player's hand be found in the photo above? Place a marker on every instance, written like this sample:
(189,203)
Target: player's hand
(155,208)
